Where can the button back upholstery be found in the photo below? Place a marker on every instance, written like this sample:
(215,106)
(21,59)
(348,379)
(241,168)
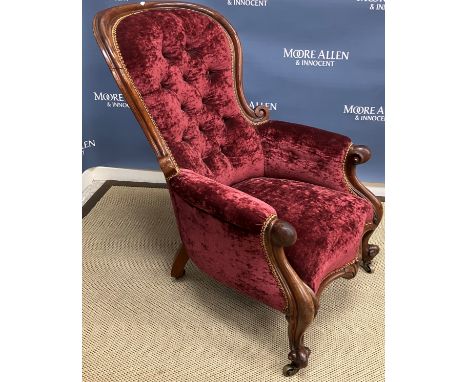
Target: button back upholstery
(181,63)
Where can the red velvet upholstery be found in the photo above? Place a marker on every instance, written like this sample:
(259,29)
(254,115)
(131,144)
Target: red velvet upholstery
(181,64)
(327,223)
(224,202)
(228,253)
(180,61)
(304,153)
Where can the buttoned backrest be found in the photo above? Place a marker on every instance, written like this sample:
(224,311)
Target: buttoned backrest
(181,63)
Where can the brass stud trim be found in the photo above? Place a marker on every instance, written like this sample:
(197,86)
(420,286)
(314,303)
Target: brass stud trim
(346,180)
(134,88)
(265,225)
(356,260)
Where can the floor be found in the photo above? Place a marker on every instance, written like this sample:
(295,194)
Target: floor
(141,325)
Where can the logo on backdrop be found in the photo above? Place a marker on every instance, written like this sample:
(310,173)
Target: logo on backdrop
(269,105)
(248,3)
(88,144)
(115,100)
(374,5)
(315,57)
(365,113)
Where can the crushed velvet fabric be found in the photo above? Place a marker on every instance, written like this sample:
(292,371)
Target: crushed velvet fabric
(329,223)
(224,202)
(181,63)
(231,255)
(304,153)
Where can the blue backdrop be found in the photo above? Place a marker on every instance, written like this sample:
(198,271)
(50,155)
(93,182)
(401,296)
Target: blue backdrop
(315,62)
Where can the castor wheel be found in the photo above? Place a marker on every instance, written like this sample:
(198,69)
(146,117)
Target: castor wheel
(368,267)
(289,370)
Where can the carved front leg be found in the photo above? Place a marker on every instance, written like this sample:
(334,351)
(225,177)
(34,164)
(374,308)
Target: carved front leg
(298,319)
(302,303)
(358,154)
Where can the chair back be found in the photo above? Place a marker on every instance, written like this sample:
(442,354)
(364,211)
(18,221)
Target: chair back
(179,66)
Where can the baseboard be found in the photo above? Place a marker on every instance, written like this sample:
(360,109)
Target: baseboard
(378,189)
(101,174)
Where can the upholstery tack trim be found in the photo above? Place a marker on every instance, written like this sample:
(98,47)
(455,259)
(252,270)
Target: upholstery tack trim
(267,221)
(356,260)
(132,84)
(346,180)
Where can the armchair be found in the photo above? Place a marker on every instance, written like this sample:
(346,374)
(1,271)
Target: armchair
(272,209)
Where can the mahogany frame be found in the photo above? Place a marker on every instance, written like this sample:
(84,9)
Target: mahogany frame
(301,302)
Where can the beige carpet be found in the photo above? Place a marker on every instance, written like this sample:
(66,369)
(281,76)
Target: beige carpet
(141,325)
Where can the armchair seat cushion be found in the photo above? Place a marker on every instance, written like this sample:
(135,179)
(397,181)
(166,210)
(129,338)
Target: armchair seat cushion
(329,223)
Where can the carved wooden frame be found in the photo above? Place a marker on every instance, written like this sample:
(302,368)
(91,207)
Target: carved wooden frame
(302,302)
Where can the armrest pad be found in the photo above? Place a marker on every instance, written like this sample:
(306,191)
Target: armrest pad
(304,153)
(225,203)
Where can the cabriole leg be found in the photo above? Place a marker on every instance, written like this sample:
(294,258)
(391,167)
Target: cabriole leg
(301,300)
(299,353)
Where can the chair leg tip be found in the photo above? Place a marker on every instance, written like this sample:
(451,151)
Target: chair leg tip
(289,370)
(299,357)
(178,275)
(368,267)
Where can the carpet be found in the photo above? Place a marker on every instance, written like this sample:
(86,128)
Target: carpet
(141,325)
